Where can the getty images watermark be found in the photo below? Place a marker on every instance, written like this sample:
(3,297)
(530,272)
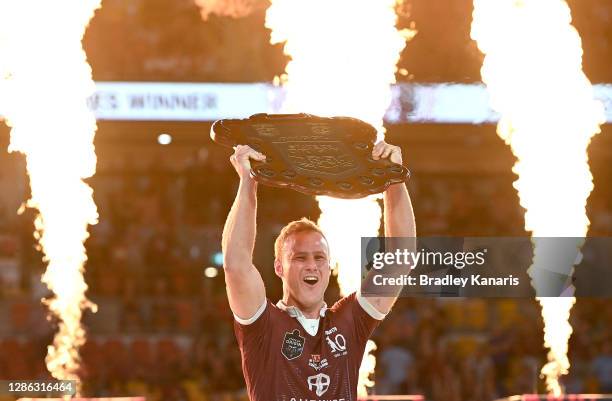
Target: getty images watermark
(424,258)
(486,267)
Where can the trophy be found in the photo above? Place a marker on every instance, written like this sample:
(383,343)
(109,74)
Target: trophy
(314,155)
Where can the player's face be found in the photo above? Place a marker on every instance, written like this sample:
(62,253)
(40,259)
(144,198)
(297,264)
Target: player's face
(304,269)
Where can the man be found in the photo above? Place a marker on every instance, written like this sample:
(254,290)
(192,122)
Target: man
(299,349)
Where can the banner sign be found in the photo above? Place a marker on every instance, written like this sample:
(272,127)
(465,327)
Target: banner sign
(177,101)
(439,103)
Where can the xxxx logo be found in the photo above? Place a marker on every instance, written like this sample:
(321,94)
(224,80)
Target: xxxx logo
(336,342)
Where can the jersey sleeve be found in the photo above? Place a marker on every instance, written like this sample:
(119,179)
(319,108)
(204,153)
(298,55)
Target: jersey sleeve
(251,333)
(253,337)
(365,318)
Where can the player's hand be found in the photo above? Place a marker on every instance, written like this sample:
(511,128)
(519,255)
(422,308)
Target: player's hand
(241,160)
(383,150)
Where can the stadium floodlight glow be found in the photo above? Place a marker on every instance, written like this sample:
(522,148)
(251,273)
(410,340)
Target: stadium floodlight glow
(217,258)
(211,272)
(164,139)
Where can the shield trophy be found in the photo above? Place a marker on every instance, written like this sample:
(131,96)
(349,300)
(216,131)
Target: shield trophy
(314,155)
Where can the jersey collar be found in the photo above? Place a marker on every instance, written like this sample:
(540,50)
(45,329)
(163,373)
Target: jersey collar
(294,311)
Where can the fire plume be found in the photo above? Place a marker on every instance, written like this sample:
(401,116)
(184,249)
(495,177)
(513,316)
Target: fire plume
(45,81)
(343,61)
(533,72)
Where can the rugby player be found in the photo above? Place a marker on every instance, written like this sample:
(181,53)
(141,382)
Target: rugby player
(299,349)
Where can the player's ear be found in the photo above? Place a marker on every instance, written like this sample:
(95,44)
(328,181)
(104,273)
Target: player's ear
(278,268)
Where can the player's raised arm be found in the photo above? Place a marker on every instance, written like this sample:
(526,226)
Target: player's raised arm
(245,288)
(398,217)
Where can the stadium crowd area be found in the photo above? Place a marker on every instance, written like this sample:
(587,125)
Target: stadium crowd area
(164,329)
(160,40)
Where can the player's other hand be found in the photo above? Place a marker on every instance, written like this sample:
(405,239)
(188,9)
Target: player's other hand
(383,150)
(241,160)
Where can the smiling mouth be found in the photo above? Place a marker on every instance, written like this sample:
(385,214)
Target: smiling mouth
(311,280)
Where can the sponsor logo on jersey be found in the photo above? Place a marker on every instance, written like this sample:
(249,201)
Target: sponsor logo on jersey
(318,383)
(336,342)
(331,331)
(316,362)
(293,345)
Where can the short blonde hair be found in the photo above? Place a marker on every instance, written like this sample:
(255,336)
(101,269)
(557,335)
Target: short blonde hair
(295,227)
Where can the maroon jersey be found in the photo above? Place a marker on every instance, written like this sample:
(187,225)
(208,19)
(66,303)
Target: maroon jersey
(282,362)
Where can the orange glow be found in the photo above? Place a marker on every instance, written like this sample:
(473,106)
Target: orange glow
(225,8)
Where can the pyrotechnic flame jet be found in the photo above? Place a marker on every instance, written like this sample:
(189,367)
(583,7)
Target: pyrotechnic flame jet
(343,61)
(533,71)
(45,81)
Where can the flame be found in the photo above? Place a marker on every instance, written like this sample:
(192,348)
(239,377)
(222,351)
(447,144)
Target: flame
(225,8)
(337,220)
(533,71)
(45,81)
(344,222)
(343,61)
